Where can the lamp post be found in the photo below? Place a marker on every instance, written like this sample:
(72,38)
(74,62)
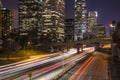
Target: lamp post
(62,54)
(28,47)
(112,29)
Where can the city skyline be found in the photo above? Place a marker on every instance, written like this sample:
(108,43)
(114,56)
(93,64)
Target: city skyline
(107,10)
(59,40)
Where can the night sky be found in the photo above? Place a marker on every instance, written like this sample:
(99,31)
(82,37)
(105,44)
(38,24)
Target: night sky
(108,10)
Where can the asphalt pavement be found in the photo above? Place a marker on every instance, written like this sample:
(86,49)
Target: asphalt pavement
(98,70)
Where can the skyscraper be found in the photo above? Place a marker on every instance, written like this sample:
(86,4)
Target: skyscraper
(99,31)
(41,19)
(92,20)
(69,29)
(6,19)
(80,18)
(30,24)
(53,19)
(0,24)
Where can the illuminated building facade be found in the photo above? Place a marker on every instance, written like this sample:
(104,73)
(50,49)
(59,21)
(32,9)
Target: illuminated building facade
(41,20)
(80,18)
(0,28)
(99,31)
(53,20)
(69,29)
(92,20)
(6,20)
(30,20)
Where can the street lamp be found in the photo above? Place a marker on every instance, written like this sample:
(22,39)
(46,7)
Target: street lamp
(29,43)
(62,54)
(112,29)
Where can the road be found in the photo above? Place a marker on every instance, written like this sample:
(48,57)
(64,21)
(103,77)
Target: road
(97,70)
(15,70)
(94,68)
(9,70)
(55,66)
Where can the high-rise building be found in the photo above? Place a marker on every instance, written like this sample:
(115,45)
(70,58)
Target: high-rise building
(6,19)
(69,29)
(1,41)
(53,20)
(30,24)
(99,31)
(41,20)
(92,20)
(80,18)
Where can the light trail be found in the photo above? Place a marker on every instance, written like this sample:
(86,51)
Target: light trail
(77,72)
(17,65)
(82,69)
(10,66)
(56,65)
(57,72)
(29,60)
(23,66)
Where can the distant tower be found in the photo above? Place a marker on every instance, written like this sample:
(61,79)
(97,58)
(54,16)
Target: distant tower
(92,20)
(53,18)
(6,19)
(30,20)
(1,4)
(80,18)
(69,29)
(0,25)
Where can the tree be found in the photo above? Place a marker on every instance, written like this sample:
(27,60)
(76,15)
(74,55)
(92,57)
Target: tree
(23,41)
